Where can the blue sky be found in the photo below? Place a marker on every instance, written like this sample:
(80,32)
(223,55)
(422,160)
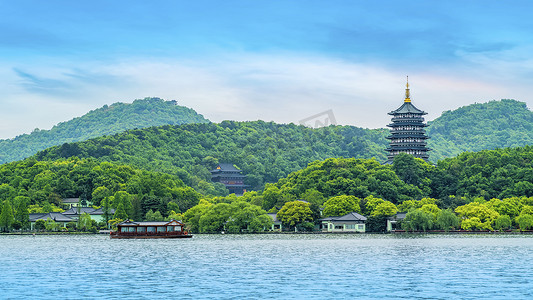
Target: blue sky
(269,60)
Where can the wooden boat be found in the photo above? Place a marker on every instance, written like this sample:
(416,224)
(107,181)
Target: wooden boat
(150,230)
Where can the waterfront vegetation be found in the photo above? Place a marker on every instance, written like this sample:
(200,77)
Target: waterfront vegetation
(162,173)
(486,190)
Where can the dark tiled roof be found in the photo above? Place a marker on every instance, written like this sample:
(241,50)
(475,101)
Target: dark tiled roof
(407,107)
(353,216)
(74,210)
(225,168)
(71,200)
(56,216)
(101,212)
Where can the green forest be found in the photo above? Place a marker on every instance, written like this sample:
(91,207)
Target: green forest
(163,172)
(103,121)
(264,151)
(486,190)
(480,126)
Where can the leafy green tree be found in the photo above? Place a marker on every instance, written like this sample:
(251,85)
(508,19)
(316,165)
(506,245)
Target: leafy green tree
(120,212)
(51,225)
(341,205)
(503,222)
(416,220)
(215,218)
(447,220)
(431,209)
(473,223)
(260,223)
(314,197)
(40,225)
(294,213)
(271,197)
(174,216)
(371,203)
(482,212)
(6,216)
(22,214)
(85,222)
(99,194)
(154,216)
(386,209)
(525,222)
(376,224)
(192,215)
(246,216)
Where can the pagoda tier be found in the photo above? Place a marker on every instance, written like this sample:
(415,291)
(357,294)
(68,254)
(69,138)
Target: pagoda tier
(407,134)
(230,177)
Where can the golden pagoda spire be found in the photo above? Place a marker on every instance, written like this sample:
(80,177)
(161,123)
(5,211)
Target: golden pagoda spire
(407,93)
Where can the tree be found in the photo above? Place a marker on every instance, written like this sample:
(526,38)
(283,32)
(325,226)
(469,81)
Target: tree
(341,205)
(524,221)
(385,209)
(99,194)
(260,223)
(371,203)
(215,218)
(417,219)
(6,216)
(243,215)
(51,225)
(447,220)
(154,216)
(192,215)
(22,214)
(85,222)
(294,213)
(472,224)
(120,213)
(40,225)
(503,222)
(482,212)
(106,209)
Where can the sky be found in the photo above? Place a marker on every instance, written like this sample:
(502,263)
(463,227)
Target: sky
(276,60)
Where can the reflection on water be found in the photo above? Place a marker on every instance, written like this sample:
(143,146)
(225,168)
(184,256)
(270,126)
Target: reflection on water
(268,266)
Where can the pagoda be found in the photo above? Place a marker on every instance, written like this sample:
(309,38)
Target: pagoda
(231,177)
(407,134)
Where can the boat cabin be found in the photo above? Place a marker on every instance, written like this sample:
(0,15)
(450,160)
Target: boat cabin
(150,229)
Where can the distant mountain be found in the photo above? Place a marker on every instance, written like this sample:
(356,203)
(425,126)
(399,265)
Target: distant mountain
(267,152)
(481,126)
(106,120)
(264,151)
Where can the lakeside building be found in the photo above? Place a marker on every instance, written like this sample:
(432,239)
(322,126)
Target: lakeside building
(352,222)
(70,215)
(231,177)
(407,133)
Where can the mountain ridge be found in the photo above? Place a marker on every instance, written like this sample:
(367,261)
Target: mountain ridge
(106,120)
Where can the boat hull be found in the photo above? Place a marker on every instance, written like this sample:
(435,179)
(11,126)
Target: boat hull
(181,236)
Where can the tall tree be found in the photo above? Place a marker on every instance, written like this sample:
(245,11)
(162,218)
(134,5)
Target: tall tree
(6,216)
(22,214)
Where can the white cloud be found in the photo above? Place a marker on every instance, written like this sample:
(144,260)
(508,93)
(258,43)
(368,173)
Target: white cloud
(282,88)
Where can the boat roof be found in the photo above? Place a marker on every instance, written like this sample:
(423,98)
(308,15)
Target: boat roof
(150,223)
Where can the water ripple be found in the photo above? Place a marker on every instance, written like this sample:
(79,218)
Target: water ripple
(267,267)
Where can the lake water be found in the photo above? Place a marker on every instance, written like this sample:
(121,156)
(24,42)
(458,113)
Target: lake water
(268,267)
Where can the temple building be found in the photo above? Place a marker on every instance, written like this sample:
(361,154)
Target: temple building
(407,134)
(231,177)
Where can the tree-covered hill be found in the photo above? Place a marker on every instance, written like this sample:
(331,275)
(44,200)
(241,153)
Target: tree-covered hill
(265,151)
(480,176)
(41,183)
(485,126)
(106,120)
